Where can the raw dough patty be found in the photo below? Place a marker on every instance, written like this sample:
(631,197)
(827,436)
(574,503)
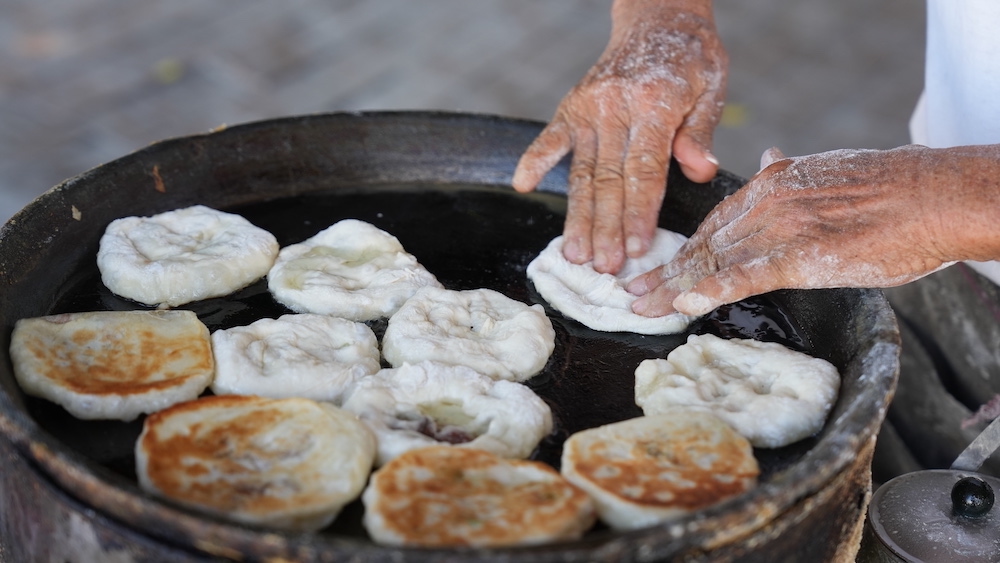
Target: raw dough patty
(352,270)
(479,328)
(113,364)
(285,463)
(599,301)
(770,394)
(419,405)
(650,469)
(440,496)
(310,356)
(184,255)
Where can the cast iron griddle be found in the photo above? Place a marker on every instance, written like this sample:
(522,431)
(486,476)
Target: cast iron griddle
(469,237)
(441,183)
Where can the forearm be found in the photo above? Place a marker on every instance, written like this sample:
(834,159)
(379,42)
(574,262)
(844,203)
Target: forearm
(663,15)
(963,207)
(628,12)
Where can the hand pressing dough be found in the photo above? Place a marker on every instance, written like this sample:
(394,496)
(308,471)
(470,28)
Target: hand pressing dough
(352,270)
(443,497)
(647,470)
(600,301)
(113,364)
(300,355)
(285,463)
(185,255)
(770,394)
(479,328)
(425,404)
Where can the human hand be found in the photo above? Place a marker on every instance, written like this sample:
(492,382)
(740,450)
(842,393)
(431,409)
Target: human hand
(657,90)
(836,219)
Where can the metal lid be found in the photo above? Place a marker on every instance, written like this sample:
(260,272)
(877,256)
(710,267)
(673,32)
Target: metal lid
(938,515)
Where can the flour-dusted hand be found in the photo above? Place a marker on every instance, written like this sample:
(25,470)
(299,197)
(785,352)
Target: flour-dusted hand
(847,218)
(656,90)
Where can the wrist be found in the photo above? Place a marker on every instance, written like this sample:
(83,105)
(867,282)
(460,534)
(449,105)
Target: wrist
(628,13)
(963,185)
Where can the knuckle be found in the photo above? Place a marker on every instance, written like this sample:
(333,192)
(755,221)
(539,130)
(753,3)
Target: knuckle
(608,175)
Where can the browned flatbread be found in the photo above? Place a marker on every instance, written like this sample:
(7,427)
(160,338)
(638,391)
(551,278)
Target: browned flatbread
(442,496)
(284,463)
(113,364)
(646,470)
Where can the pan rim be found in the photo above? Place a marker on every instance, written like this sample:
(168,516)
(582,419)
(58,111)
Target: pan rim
(103,490)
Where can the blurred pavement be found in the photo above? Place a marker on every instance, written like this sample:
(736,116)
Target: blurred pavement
(86,81)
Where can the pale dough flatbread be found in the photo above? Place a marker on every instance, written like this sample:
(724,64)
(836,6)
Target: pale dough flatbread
(183,255)
(600,301)
(479,328)
(425,404)
(299,355)
(772,395)
(351,270)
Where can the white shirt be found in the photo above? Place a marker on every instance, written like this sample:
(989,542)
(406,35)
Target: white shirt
(961,100)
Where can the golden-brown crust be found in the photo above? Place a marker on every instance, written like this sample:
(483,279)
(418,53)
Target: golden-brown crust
(257,460)
(441,496)
(649,468)
(130,354)
(665,471)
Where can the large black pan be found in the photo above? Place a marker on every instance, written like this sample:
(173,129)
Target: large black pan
(440,183)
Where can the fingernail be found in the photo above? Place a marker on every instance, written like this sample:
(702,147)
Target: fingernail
(711,158)
(640,306)
(637,287)
(571,250)
(634,247)
(600,262)
(693,304)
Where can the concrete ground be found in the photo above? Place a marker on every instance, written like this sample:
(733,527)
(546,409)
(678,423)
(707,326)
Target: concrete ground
(86,81)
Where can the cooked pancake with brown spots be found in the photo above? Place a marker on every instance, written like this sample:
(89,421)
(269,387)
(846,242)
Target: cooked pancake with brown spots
(650,469)
(113,364)
(283,463)
(442,496)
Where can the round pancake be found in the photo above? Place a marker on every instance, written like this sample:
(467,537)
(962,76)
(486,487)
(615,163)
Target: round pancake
(113,364)
(600,301)
(184,255)
(351,270)
(282,463)
(301,355)
(770,394)
(647,470)
(441,496)
(479,328)
(425,404)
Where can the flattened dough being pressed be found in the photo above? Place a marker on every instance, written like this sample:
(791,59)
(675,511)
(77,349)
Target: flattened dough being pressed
(600,301)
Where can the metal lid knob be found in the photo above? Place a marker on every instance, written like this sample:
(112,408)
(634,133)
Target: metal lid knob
(972,497)
(938,515)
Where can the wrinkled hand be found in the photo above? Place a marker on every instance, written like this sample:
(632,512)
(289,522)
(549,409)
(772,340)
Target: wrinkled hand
(835,219)
(657,90)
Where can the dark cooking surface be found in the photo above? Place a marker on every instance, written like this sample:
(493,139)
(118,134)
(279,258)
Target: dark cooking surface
(469,237)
